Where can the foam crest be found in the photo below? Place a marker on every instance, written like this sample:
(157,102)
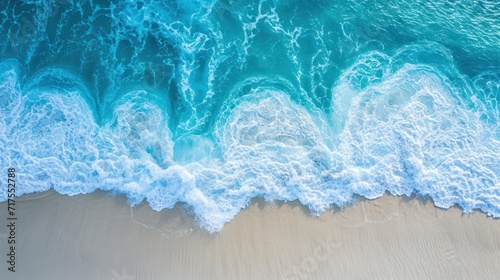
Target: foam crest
(10,95)
(52,136)
(56,143)
(139,128)
(135,147)
(272,148)
(409,134)
(369,69)
(487,85)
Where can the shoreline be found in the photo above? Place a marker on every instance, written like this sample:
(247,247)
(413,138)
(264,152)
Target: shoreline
(99,236)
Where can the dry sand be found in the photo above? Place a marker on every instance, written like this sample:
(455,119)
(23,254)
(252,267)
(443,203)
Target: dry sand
(96,236)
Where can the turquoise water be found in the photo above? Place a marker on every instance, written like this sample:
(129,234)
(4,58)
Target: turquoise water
(213,103)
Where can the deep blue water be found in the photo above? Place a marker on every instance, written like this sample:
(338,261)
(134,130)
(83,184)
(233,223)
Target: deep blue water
(213,103)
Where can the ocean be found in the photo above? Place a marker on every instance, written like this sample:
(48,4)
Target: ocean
(213,103)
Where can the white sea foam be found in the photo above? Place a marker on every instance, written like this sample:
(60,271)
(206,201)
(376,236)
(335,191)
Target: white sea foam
(402,128)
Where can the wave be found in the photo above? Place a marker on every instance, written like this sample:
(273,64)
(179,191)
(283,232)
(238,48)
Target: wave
(197,105)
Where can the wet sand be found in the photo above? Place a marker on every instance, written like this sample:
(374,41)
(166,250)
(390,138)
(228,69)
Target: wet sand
(98,236)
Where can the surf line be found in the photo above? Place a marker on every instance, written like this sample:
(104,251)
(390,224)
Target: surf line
(11,219)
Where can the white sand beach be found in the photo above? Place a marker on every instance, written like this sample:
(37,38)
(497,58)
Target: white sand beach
(97,236)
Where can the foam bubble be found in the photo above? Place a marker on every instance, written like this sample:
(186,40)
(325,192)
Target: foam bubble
(412,133)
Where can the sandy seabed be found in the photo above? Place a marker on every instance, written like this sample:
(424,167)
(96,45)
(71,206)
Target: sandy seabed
(97,236)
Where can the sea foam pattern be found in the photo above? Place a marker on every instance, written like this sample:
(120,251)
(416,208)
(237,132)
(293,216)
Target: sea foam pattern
(212,104)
